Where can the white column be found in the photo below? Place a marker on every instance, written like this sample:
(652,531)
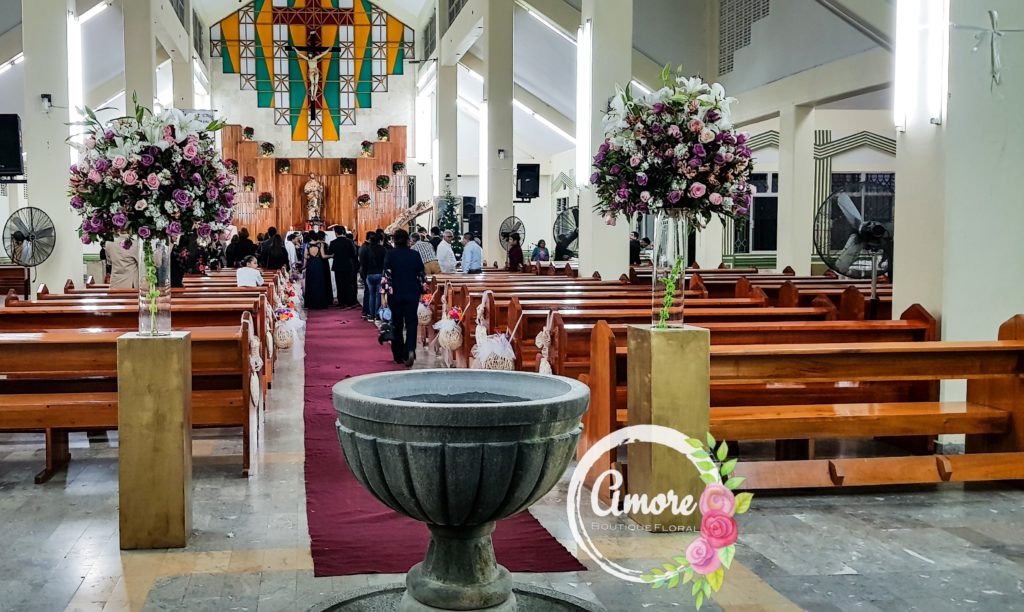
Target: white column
(45,44)
(959,251)
(796,189)
(139,52)
(183,83)
(496,127)
(603,248)
(709,244)
(447,126)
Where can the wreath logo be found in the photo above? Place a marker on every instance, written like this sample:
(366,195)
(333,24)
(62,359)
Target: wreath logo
(706,560)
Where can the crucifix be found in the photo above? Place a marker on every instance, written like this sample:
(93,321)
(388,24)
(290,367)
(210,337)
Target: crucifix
(313,18)
(312,54)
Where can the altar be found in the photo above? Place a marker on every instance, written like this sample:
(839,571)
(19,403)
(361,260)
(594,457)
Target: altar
(343,181)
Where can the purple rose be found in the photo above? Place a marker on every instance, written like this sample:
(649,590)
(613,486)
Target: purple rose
(641,179)
(174,229)
(694,163)
(77,203)
(656,128)
(699,150)
(222,215)
(182,197)
(719,159)
(599,157)
(713,115)
(595,178)
(658,108)
(197,178)
(229,197)
(616,169)
(741,138)
(603,148)
(212,193)
(205,230)
(741,210)
(144,232)
(623,193)
(74,168)
(126,243)
(674,196)
(86,239)
(109,135)
(102,165)
(197,161)
(744,151)
(146,160)
(119,219)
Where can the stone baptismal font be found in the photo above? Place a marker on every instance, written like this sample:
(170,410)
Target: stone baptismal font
(459,450)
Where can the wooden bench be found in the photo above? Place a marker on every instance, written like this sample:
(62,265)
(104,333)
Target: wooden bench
(992,417)
(57,382)
(16,279)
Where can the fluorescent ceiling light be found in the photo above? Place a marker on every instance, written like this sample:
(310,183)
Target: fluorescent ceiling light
(550,25)
(640,86)
(76,89)
(551,126)
(584,74)
(17,59)
(95,10)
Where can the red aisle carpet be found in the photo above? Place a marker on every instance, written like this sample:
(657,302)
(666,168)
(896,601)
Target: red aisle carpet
(350,531)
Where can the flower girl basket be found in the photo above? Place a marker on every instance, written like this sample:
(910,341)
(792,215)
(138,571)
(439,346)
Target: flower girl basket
(495,351)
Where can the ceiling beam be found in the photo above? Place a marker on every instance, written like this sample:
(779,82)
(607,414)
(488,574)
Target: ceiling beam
(462,33)
(875,19)
(845,78)
(536,104)
(567,18)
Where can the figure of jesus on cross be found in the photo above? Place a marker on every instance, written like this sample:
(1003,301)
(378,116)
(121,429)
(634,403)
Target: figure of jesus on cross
(312,53)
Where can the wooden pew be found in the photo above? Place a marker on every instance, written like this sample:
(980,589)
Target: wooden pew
(16,279)
(993,416)
(57,382)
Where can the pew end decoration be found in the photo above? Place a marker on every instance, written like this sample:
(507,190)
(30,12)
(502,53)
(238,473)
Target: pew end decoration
(707,558)
(673,154)
(143,181)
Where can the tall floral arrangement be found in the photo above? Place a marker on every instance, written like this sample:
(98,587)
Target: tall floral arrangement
(154,176)
(673,153)
(674,149)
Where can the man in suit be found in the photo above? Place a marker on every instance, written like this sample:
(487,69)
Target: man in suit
(346,260)
(403,269)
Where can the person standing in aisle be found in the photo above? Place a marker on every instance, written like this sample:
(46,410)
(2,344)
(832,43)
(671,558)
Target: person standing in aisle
(405,277)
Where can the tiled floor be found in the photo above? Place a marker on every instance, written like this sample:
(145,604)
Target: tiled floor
(935,550)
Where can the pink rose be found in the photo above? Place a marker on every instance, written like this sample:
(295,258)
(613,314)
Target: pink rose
(697,190)
(674,131)
(153,181)
(702,556)
(130,177)
(634,161)
(706,136)
(715,199)
(141,205)
(717,497)
(94,176)
(645,196)
(719,530)
(120,162)
(190,151)
(609,219)
(90,142)
(695,125)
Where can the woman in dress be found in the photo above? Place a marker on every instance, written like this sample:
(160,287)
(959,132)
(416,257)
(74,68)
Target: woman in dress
(318,285)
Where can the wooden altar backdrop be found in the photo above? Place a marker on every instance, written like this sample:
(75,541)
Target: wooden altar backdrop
(288,210)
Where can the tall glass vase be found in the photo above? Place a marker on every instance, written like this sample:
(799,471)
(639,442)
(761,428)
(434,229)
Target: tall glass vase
(155,288)
(669,268)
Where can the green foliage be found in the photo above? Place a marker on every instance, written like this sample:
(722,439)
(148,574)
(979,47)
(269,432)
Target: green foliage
(450,218)
(670,292)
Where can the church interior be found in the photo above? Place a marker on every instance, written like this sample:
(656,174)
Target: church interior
(659,344)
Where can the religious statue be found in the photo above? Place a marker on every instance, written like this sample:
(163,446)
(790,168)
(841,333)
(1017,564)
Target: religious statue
(314,191)
(312,59)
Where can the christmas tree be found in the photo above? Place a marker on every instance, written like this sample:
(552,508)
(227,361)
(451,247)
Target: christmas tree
(450,217)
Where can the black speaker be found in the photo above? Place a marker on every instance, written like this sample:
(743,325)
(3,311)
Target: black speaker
(468,206)
(10,145)
(476,225)
(527,181)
